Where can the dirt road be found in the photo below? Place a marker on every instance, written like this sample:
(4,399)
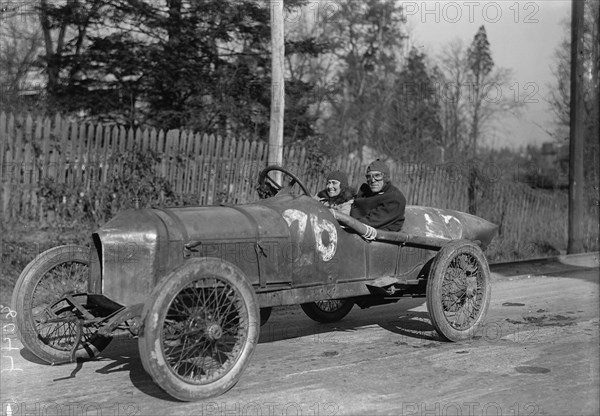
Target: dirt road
(538,354)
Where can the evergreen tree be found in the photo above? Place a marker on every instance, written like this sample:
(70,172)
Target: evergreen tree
(365,38)
(202,65)
(479,58)
(414,129)
(65,28)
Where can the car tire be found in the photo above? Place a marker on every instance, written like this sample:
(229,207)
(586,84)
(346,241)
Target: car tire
(328,311)
(200,329)
(458,290)
(42,283)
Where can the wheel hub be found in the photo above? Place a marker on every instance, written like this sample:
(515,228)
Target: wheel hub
(214,331)
(471,287)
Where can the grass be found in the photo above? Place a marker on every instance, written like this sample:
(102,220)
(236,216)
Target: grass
(21,243)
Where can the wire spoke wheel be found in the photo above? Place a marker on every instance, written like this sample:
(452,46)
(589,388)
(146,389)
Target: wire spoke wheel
(205,330)
(56,325)
(48,326)
(201,328)
(462,291)
(329,310)
(458,290)
(329,305)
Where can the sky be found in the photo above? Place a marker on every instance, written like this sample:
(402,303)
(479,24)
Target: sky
(522,35)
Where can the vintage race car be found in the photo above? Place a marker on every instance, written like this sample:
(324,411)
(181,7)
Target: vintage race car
(194,284)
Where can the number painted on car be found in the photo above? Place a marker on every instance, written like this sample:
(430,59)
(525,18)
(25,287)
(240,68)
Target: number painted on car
(326,247)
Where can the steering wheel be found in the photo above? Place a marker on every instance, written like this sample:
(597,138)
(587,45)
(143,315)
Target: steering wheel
(268,187)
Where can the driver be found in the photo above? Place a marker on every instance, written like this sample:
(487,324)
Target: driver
(337,195)
(378,203)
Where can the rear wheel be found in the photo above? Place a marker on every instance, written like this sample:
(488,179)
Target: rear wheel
(201,326)
(458,290)
(327,311)
(48,328)
(265,313)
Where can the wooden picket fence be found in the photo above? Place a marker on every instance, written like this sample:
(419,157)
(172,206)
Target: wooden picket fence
(215,169)
(212,169)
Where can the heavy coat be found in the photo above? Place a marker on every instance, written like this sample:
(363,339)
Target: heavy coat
(383,210)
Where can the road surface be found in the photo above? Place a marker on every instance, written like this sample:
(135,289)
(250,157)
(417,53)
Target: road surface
(538,354)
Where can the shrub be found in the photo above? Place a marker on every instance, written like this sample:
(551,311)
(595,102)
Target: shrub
(133,181)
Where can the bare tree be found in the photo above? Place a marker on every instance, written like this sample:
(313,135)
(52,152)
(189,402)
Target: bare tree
(20,42)
(469,103)
(473,96)
(451,78)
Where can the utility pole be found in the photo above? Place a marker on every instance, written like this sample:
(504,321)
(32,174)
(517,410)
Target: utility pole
(275,155)
(577,130)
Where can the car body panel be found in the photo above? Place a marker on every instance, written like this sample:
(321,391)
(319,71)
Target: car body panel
(290,248)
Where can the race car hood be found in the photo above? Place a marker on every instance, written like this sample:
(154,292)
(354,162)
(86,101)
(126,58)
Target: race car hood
(139,246)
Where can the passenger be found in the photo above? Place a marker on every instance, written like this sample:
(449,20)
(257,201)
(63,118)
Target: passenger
(378,203)
(337,196)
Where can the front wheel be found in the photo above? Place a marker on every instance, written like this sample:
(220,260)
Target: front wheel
(458,290)
(327,311)
(46,327)
(201,326)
